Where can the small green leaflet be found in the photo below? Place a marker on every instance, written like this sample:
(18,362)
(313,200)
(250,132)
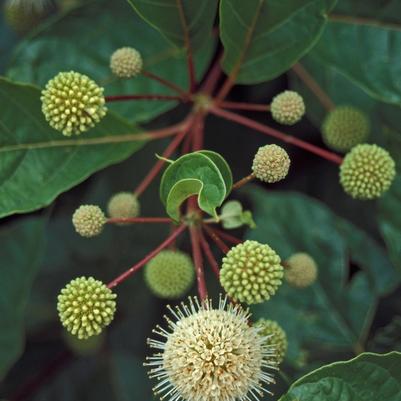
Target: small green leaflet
(233,215)
(204,173)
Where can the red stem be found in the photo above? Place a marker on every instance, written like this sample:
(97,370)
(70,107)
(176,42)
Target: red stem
(216,239)
(243,181)
(209,255)
(325,154)
(245,106)
(142,97)
(198,261)
(148,257)
(139,220)
(197,134)
(227,237)
(173,145)
(166,83)
(213,77)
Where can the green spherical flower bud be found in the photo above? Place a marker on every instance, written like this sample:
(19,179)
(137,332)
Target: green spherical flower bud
(170,274)
(88,220)
(287,107)
(301,270)
(367,172)
(126,62)
(344,128)
(72,103)
(83,347)
(271,163)
(86,306)
(123,205)
(251,272)
(277,338)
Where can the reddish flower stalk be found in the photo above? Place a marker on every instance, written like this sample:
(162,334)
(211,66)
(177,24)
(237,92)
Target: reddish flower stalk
(226,236)
(198,261)
(150,96)
(243,181)
(198,133)
(209,255)
(134,220)
(148,257)
(166,83)
(173,145)
(216,239)
(314,87)
(245,106)
(213,77)
(325,154)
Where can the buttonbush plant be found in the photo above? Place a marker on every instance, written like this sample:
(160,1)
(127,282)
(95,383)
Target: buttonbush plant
(200,200)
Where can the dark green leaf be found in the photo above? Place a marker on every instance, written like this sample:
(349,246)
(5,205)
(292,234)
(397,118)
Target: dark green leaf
(21,252)
(264,38)
(179,19)
(38,163)
(368,377)
(84,40)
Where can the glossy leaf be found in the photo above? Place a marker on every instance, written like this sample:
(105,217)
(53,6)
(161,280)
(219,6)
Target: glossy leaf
(264,38)
(195,173)
(332,312)
(368,377)
(37,163)
(178,19)
(84,39)
(21,252)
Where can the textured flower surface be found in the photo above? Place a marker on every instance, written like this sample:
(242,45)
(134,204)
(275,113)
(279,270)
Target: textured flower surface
(126,62)
(170,274)
(123,205)
(210,355)
(271,163)
(367,172)
(86,306)
(344,128)
(251,272)
(88,220)
(276,337)
(301,270)
(287,108)
(72,103)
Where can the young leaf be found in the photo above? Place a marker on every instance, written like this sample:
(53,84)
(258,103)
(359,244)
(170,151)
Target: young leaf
(233,216)
(38,163)
(21,252)
(264,38)
(180,20)
(368,377)
(195,173)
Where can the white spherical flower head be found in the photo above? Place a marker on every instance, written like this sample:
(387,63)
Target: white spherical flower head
(210,355)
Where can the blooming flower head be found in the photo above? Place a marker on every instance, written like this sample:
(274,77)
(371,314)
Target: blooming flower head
(210,355)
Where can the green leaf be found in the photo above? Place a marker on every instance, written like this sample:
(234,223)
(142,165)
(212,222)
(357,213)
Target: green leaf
(84,39)
(334,312)
(179,19)
(233,216)
(38,163)
(195,173)
(358,47)
(368,377)
(264,38)
(21,252)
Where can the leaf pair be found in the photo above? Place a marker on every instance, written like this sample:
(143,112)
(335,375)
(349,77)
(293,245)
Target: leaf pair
(204,173)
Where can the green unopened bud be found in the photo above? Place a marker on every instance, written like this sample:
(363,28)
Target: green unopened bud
(301,270)
(123,205)
(287,108)
(88,220)
(126,62)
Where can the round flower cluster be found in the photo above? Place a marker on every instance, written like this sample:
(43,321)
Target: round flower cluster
(88,220)
(344,128)
(287,107)
(210,355)
(72,103)
(276,337)
(367,172)
(271,163)
(126,62)
(123,205)
(301,270)
(86,306)
(251,272)
(170,274)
